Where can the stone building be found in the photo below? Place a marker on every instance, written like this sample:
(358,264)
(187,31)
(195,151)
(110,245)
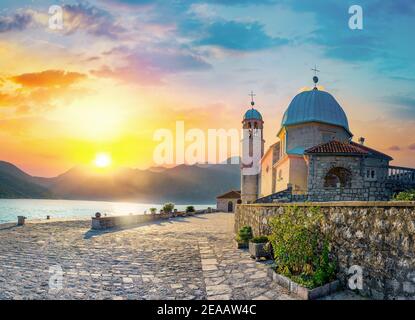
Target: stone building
(315,158)
(228,201)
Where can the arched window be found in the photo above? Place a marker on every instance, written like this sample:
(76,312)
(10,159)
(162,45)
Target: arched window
(338,177)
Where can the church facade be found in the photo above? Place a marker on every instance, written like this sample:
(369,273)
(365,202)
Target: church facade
(315,157)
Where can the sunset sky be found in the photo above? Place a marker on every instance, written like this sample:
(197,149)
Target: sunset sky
(119,70)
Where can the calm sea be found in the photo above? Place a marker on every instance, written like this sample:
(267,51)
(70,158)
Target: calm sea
(39,209)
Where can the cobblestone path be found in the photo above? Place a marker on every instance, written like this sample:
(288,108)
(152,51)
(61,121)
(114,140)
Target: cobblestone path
(183,258)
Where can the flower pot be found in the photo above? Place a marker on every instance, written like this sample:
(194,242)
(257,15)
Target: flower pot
(259,250)
(241,245)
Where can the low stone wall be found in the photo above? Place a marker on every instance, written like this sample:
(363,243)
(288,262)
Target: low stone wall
(129,220)
(377,236)
(121,221)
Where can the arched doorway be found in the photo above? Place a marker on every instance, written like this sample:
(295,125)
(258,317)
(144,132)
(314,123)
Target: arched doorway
(338,177)
(230,206)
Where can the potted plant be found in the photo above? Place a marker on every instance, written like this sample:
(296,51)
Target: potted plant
(243,237)
(259,247)
(168,207)
(190,210)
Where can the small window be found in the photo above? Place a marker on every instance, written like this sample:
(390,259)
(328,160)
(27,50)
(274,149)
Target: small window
(371,174)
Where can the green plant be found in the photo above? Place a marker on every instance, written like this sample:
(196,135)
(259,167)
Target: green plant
(408,195)
(259,239)
(168,207)
(244,234)
(301,251)
(153,210)
(190,209)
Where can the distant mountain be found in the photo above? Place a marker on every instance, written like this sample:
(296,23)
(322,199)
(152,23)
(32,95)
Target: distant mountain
(14,183)
(181,184)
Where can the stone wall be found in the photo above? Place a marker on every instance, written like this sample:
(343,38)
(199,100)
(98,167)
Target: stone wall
(223,204)
(359,188)
(378,236)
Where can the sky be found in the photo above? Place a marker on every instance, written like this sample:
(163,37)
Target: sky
(119,70)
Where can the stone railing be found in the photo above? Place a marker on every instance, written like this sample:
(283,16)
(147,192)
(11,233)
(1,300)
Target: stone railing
(401,174)
(377,236)
(102,223)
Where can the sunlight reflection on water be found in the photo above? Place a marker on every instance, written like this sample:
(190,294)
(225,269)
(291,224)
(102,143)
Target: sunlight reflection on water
(39,209)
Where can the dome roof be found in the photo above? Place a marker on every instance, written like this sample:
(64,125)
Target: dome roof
(252,114)
(315,106)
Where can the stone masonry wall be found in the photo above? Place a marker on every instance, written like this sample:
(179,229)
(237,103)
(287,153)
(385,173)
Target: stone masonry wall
(360,189)
(377,236)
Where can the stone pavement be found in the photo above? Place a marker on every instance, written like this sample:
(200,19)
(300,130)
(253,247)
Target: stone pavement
(183,258)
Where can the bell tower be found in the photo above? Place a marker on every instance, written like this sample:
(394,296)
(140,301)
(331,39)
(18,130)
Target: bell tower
(252,152)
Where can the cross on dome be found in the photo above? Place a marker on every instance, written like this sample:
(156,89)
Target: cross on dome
(252,95)
(315,78)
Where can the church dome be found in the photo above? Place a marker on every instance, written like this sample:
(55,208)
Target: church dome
(252,114)
(315,106)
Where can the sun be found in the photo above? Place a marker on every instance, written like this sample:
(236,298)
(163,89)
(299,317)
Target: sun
(103,160)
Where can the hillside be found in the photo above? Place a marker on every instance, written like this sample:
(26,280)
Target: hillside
(181,184)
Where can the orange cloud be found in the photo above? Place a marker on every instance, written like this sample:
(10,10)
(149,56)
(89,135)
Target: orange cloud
(48,78)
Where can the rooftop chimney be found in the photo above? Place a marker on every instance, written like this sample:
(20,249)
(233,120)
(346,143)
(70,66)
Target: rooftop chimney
(362,140)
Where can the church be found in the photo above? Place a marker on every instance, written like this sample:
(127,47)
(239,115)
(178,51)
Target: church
(314,157)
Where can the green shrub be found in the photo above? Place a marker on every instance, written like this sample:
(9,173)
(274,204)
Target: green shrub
(244,234)
(408,195)
(153,210)
(260,239)
(301,251)
(190,209)
(168,207)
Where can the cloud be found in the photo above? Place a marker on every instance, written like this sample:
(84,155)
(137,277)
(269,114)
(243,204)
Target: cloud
(239,36)
(93,20)
(48,78)
(41,91)
(394,148)
(402,106)
(149,67)
(17,22)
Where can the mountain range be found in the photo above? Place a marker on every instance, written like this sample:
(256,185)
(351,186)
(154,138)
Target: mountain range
(197,184)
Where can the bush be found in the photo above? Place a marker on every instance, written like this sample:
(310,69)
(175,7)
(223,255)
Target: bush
(244,234)
(259,239)
(301,251)
(153,210)
(408,195)
(168,207)
(190,209)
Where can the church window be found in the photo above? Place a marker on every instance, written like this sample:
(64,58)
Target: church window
(338,177)
(370,174)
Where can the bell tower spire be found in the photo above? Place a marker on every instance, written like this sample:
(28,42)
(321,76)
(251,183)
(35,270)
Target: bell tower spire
(252,151)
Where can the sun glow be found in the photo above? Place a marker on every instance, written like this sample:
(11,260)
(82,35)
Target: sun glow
(102,160)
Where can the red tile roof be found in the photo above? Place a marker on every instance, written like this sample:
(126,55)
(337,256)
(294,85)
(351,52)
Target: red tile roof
(230,195)
(351,148)
(372,151)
